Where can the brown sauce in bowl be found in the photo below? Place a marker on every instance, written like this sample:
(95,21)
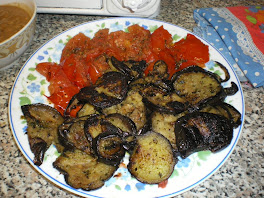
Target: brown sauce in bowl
(12,19)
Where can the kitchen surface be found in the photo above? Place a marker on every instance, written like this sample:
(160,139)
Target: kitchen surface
(242,175)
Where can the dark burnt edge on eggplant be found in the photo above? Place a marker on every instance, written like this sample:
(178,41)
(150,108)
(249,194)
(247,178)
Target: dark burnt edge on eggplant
(91,121)
(38,146)
(114,159)
(110,78)
(229,91)
(227,75)
(128,68)
(66,174)
(73,103)
(190,139)
(137,147)
(102,100)
(226,106)
(126,121)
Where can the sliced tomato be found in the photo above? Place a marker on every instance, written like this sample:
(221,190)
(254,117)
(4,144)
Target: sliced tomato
(48,69)
(61,97)
(190,51)
(76,45)
(160,39)
(76,70)
(60,81)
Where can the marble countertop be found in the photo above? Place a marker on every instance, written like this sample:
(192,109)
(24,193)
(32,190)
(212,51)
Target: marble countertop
(242,175)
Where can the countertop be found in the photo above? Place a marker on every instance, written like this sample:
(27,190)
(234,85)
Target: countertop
(242,175)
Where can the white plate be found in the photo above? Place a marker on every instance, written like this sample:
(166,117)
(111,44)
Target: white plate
(31,87)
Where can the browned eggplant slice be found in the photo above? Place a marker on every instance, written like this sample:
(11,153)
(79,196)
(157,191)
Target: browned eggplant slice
(152,160)
(87,109)
(112,84)
(108,147)
(227,75)
(197,85)
(43,122)
(72,135)
(157,99)
(132,69)
(233,112)
(160,71)
(132,107)
(92,127)
(127,126)
(110,89)
(225,110)
(202,131)
(82,170)
(164,124)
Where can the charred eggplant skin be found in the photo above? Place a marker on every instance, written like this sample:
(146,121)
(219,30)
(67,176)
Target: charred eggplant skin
(43,122)
(108,147)
(110,89)
(202,131)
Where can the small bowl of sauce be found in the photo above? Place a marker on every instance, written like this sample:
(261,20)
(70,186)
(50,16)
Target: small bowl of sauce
(17,28)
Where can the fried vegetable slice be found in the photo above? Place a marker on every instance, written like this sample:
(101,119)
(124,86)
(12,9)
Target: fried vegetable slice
(87,109)
(82,170)
(132,107)
(110,89)
(109,148)
(202,131)
(157,99)
(43,122)
(152,160)
(225,110)
(72,135)
(132,69)
(127,126)
(164,124)
(197,85)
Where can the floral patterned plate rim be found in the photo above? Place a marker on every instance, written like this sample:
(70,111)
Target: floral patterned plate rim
(30,87)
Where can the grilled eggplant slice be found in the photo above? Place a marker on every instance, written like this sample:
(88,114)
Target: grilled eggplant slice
(164,124)
(109,148)
(152,160)
(197,85)
(43,122)
(225,110)
(157,99)
(72,135)
(127,126)
(132,69)
(87,109)
(110,89)
(235,115)
(202,131)
(82,170)
(227,75)
(132,107)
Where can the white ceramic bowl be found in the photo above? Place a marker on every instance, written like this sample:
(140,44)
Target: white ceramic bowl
(14,47)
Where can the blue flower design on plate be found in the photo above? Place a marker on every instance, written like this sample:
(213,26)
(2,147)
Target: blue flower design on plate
(127,187)
(33,88)
(210,64)
(183,163)
(145,27)
(127,23)
(116,27)
(46,52)
(24,129)
(40,58)
(140,186)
